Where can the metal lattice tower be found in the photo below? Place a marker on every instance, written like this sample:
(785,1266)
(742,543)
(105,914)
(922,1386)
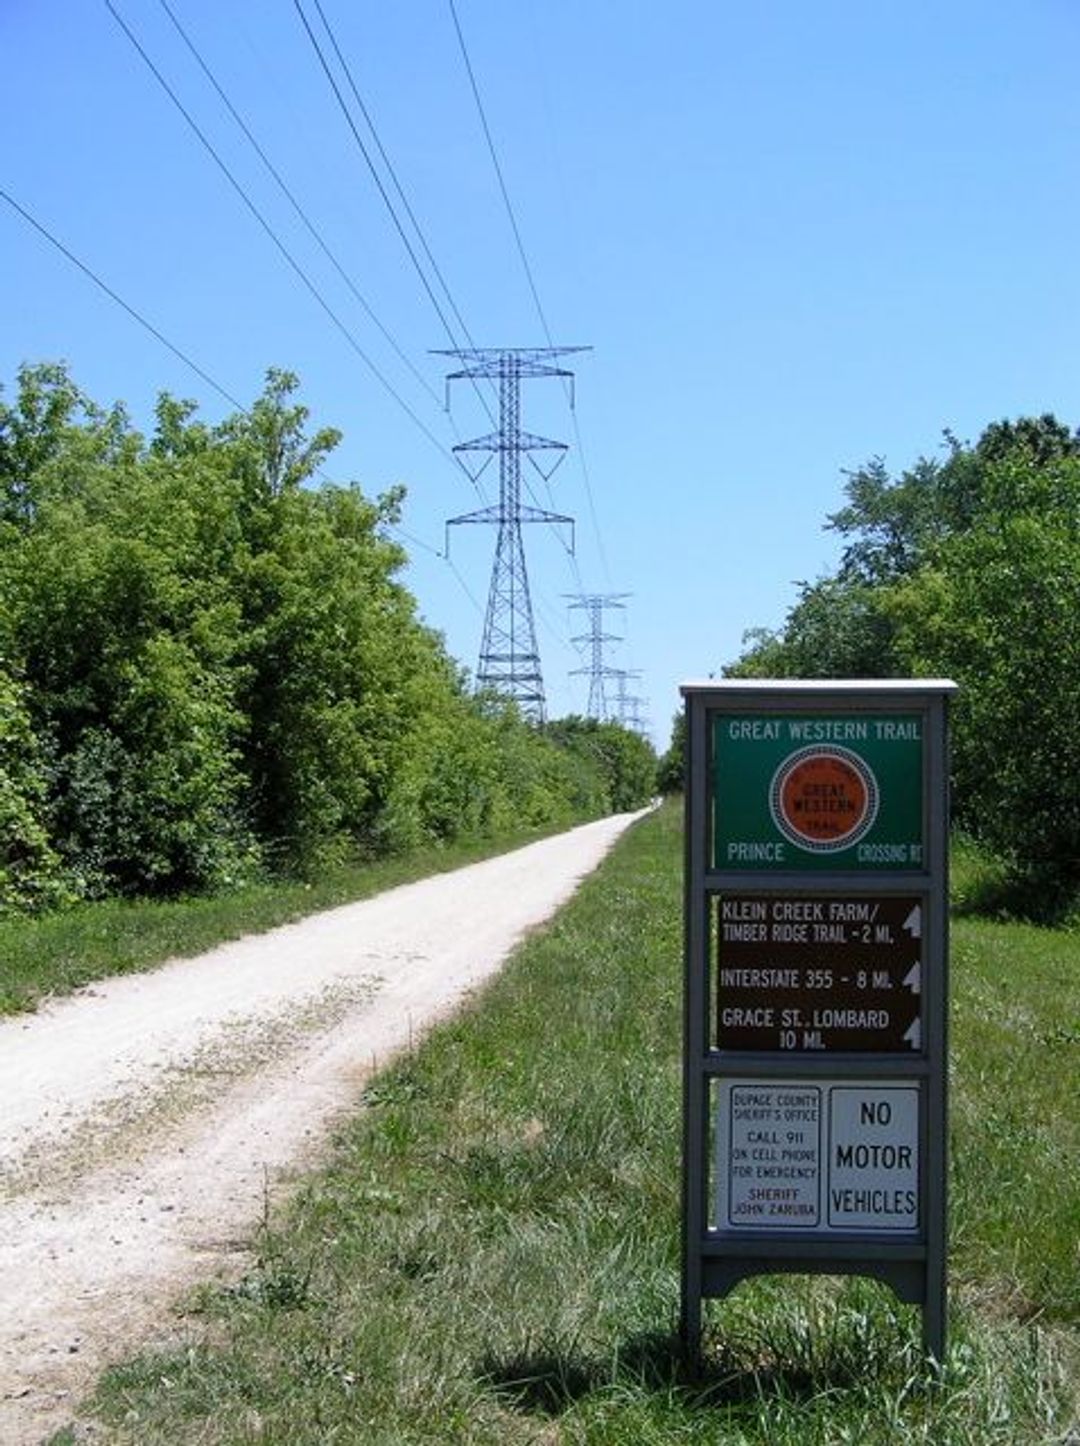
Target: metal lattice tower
(630,707)
(509,657)
(627,705)
(598,670)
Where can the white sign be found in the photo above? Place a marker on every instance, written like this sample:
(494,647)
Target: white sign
(774,1150)
(826,1156)
(873,1157)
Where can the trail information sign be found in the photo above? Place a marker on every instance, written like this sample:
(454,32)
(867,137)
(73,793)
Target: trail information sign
(823,972)
(818,792)
(815,1000)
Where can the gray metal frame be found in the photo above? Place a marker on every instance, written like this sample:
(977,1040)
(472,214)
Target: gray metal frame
(713,1262)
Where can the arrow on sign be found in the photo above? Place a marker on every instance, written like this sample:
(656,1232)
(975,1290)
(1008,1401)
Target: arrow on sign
(913,978)
(914,1035)
(913,922)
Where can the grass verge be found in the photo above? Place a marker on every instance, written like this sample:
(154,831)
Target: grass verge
(491,1256)
(57,953)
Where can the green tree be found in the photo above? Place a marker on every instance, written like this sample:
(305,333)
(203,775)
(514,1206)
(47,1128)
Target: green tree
(969,567)
(626,762)
(31,876)
(209,664)
(997,611)
(837,629)
(671,770)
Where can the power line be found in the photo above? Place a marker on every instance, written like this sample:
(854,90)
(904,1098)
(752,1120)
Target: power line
(419,542)
(589,494)
(442,556)
(499,174)
(115,296)
(464,585)
(473,375)
(388,203)
(372,167)
(531,281)
(399,227)
(278,243)
(297,207)
(393,173)
(205,376)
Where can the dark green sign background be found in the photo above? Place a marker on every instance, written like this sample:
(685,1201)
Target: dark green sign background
(749,748)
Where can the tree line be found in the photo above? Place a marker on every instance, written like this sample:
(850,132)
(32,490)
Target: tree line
(210,670)
(966,566)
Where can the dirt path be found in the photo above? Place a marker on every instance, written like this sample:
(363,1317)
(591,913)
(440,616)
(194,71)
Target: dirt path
(145,1122)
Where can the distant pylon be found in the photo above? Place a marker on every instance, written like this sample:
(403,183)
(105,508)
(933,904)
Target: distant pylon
(594,605)
(631,715)
(627,704)
(509,657)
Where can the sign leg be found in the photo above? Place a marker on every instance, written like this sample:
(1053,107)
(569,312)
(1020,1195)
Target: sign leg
(934,1326)
(690,1332)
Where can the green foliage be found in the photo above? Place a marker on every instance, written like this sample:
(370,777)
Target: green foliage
(837,629)
(999,613)
(671,770)
(625,761)
(30,874)
(216,671)
(969,568)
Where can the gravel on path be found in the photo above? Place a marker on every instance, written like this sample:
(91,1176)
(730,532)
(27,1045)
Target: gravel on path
(147,1123)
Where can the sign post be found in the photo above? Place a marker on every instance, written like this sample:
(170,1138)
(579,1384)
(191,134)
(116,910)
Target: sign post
(815,1003)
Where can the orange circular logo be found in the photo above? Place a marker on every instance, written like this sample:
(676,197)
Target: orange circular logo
(823,799)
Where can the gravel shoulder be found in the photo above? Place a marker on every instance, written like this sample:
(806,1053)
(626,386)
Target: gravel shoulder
(147,1123)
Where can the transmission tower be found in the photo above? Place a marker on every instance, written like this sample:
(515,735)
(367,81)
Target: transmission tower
(627,705)
(631,715)
(509,658)
(594,605)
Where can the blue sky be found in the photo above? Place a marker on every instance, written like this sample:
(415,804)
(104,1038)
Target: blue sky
(795,236)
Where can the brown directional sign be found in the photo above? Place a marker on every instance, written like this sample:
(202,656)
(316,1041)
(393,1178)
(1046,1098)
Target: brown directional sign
(819,972)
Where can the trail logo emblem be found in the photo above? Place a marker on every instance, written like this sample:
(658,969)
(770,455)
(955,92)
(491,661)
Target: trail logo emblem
(824,798)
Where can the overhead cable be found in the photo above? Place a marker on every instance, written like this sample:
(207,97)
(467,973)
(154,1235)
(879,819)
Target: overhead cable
(297,207)
(115,296)
(499,174)
(525,265)
(387,201)
(276,240)
(343,62)
(373,169)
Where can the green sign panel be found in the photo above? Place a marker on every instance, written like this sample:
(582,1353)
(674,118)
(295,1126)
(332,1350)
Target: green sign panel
(817,791)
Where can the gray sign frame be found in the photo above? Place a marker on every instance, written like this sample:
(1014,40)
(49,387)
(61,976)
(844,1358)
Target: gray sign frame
(716,1259)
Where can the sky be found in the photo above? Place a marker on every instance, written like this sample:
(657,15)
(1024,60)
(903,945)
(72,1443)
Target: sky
(793,237)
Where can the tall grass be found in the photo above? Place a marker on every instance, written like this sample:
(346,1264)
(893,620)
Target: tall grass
(491,1255)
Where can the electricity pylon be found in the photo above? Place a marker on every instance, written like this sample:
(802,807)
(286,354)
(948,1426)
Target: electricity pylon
(594,605)
(631,714)
(627,705)
(509,657)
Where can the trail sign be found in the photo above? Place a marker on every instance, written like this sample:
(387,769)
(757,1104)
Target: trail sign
(818,791)
(819,972)
(814,1120)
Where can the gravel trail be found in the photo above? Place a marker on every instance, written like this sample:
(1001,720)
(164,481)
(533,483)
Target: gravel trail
(147,1122)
